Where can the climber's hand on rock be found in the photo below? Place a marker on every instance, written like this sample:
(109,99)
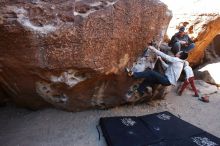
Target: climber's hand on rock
(158,57)
(151,48)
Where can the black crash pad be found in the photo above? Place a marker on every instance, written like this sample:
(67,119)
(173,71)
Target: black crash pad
(167,126)
(159,129)
(126,131)
(203,139)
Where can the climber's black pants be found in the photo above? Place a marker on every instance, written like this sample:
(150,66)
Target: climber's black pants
(150,78)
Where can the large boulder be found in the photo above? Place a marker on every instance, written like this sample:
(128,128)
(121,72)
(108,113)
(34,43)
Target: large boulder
(72,55)
(202,21)
(205,76)
(208,32)
(208,70)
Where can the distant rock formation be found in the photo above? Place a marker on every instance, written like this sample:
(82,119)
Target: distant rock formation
(209,69)
(208,32)
(72,55)
(202,20)
(212,53)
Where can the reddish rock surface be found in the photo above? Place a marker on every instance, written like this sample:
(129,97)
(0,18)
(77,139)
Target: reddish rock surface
(74,60)
(204,38)
(209,71)
(212,54)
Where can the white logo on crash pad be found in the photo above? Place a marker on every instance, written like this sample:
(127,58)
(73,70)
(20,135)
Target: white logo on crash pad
(164,117)
(128,122)
(203,141)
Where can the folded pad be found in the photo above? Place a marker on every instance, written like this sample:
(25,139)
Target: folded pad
(160,129)
(127,131)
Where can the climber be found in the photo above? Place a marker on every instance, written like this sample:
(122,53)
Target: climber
(172,73)
(181,42)
(190,80)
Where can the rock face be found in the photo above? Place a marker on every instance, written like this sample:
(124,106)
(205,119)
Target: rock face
(202,21)
(209,71)
(72,55)
(204,38)
(212,52)
(205,76)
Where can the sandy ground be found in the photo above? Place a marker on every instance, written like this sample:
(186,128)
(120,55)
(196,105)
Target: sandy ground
(51,127)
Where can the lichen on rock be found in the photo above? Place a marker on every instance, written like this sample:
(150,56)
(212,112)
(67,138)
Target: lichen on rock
(72,55)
